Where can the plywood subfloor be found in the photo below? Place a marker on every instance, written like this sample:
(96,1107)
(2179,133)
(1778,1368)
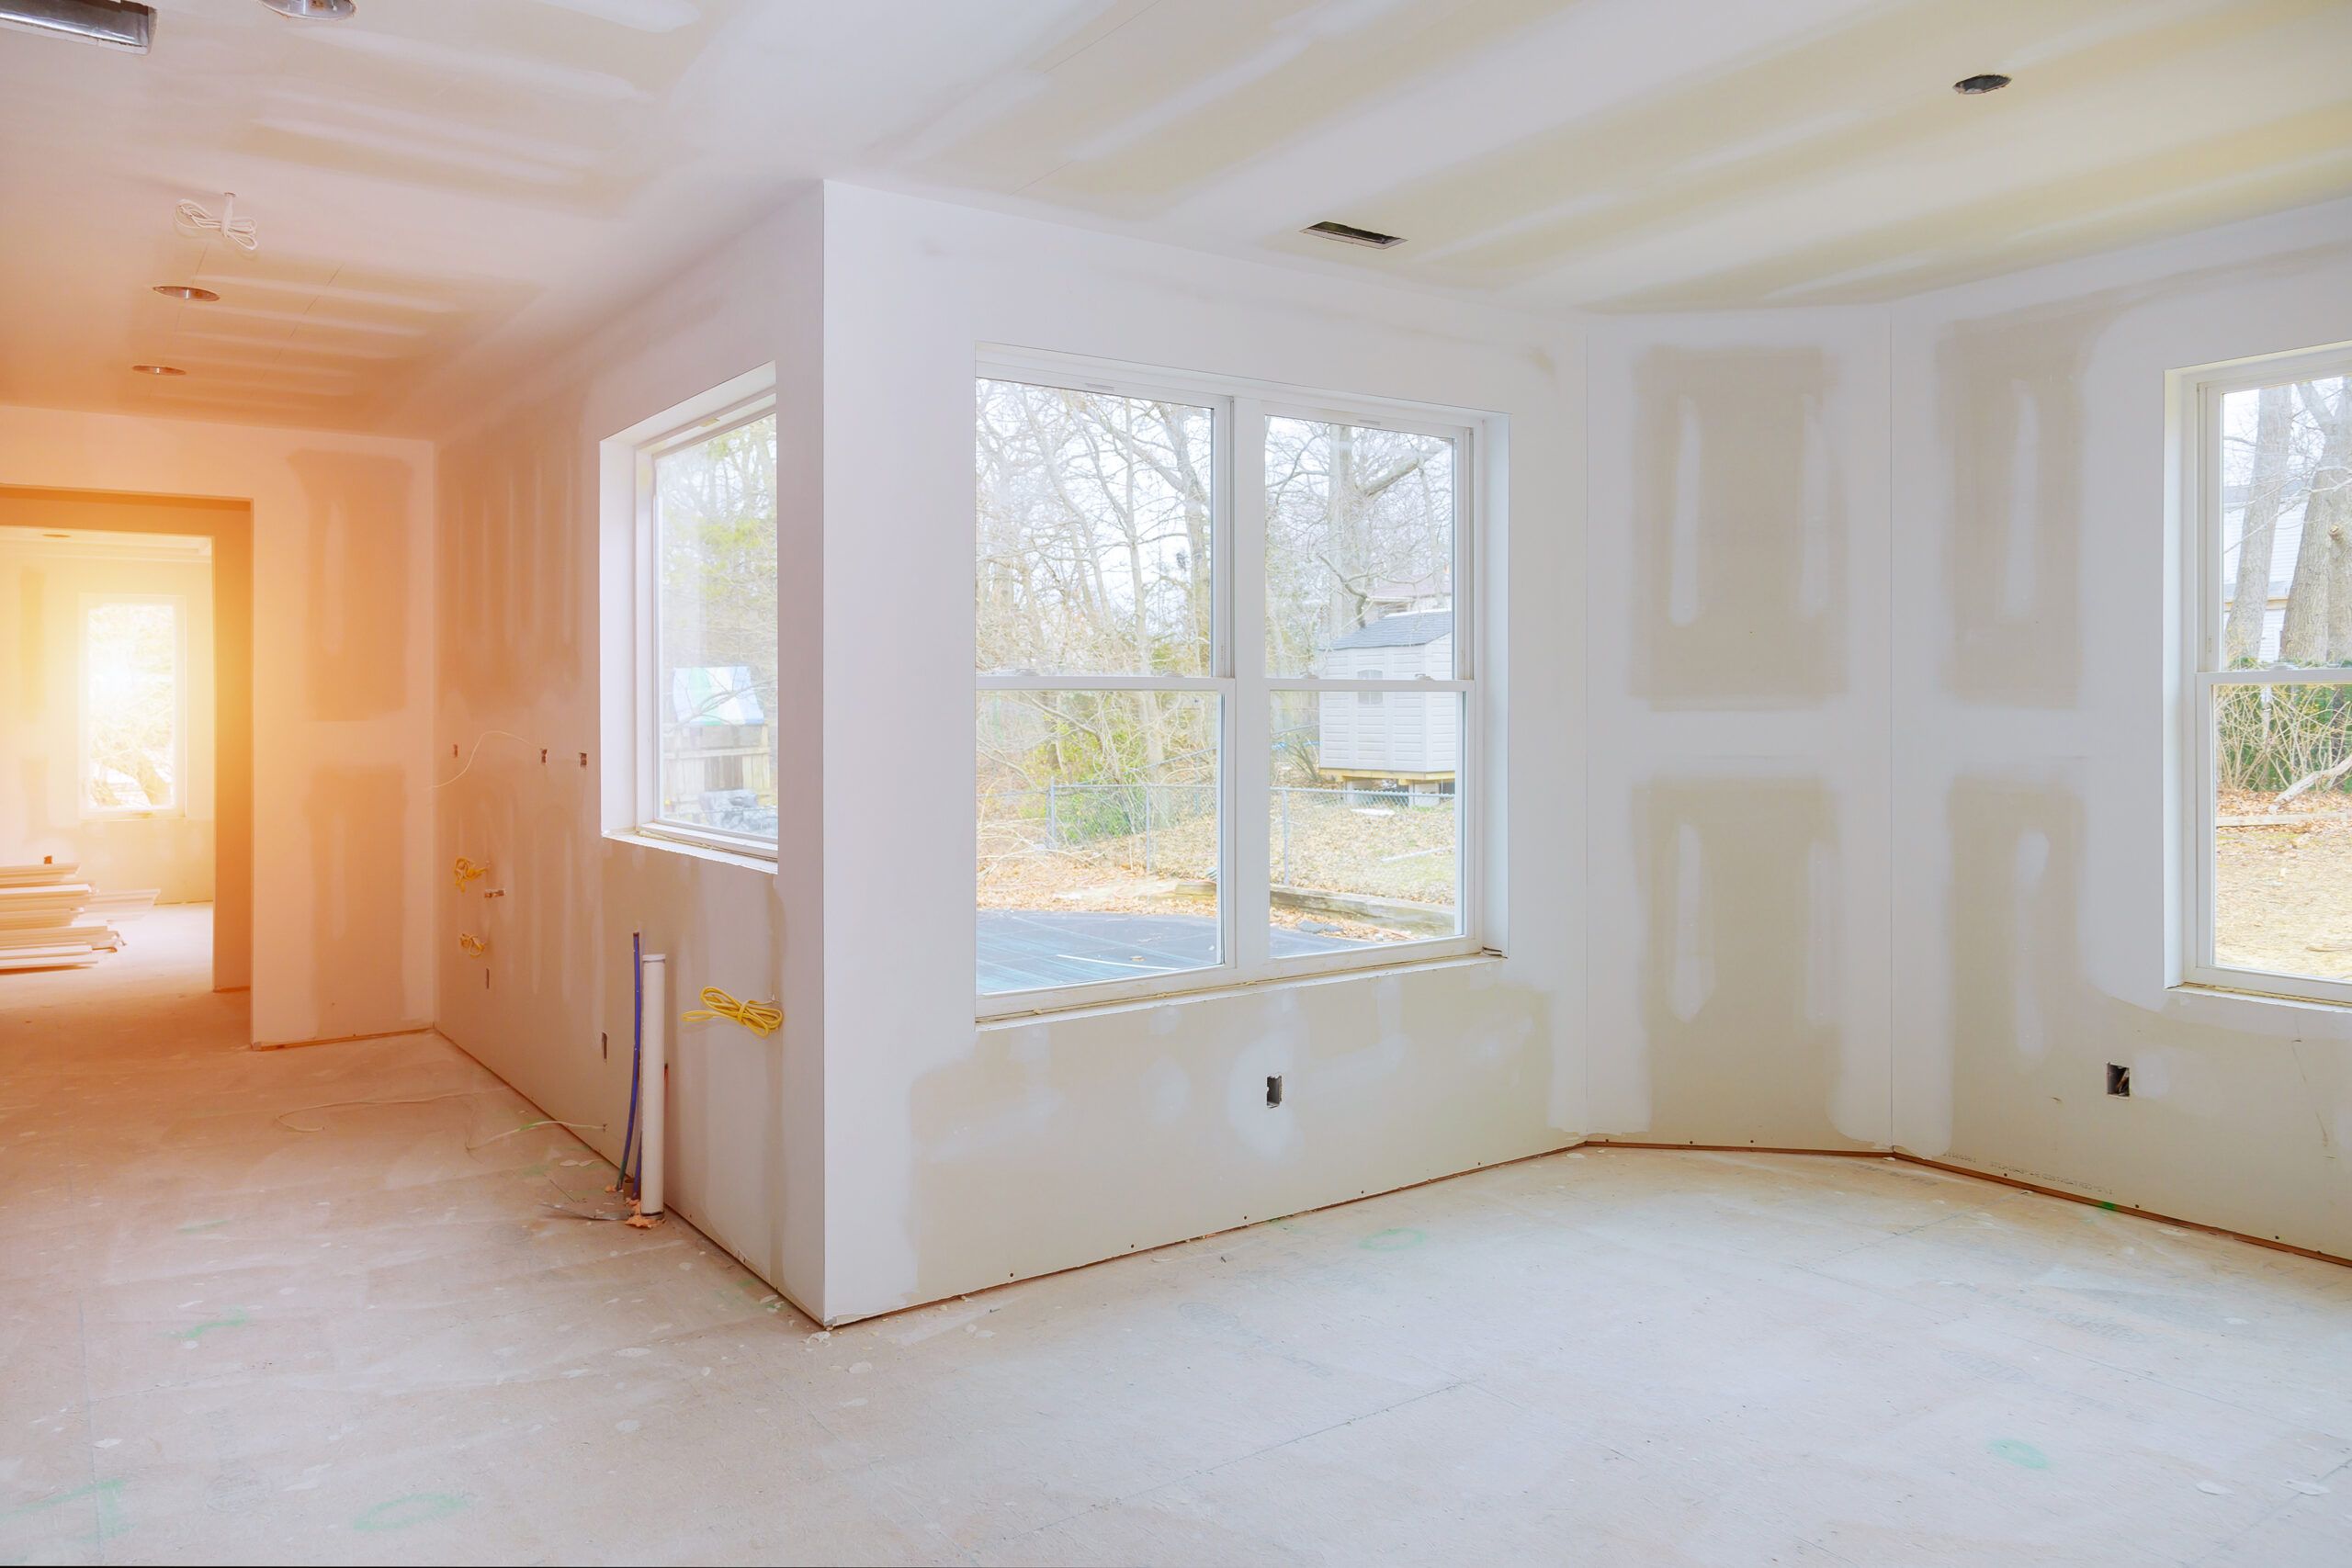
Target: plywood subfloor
(226,1340)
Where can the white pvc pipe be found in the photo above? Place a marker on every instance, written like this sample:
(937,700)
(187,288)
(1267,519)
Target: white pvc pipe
(652,1096)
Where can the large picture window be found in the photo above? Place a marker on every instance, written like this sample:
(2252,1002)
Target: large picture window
(1224,706)
(706,499)
(2272,679)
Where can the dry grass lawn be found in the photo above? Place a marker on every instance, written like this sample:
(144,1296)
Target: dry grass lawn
(2283,891)
(1405,852)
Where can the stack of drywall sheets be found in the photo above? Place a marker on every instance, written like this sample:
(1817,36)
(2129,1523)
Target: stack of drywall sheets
(46,918)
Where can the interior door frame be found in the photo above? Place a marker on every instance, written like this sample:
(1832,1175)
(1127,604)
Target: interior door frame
(229,523)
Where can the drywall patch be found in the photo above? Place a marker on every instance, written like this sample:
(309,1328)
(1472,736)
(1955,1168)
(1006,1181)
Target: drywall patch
(2013,414)
(1740,894)
(358,875)
(357,544)
(2015,884)
(2031,1036)
(1740,524)
(1381,1074)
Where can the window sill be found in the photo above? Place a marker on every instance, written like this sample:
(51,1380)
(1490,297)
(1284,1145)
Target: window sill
(694,850)
(1075,1010)
(2206,994)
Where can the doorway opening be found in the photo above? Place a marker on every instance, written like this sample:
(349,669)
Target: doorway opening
(126,772)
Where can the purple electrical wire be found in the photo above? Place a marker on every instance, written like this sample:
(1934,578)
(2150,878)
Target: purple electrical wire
(636,1053)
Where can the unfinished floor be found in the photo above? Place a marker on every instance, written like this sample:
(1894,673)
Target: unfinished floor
(231,1341)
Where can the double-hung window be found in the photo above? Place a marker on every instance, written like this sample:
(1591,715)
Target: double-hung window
(2270,682)
(706,739)
(1225,711)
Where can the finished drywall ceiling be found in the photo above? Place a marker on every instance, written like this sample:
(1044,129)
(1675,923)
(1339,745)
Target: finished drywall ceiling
(445,188)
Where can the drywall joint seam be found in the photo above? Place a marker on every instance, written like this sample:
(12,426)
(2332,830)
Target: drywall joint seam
(1952,1169)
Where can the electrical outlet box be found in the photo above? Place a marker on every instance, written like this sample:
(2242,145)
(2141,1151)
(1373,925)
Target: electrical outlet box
(2119,1080)
(1273,1088)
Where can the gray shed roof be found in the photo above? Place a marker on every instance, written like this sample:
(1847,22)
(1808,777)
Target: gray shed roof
(1400,631)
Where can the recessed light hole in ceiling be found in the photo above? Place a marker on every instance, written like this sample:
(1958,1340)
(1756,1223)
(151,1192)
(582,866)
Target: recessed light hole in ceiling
(116,24)
(1348,234)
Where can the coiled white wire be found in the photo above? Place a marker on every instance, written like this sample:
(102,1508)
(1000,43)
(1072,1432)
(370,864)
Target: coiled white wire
(194,219)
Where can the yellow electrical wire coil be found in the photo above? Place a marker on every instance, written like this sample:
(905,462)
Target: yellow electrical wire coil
(760,1018)
(471,945)
(466,870)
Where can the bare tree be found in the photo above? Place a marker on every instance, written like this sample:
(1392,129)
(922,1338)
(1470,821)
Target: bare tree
(2265,491)
(2308,636)
(2327,512)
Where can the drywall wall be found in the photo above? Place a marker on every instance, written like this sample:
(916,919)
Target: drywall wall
(341,611)
(1882,707)
(533,657)
(1737,622)
(45,587)
(2035,593)
(1839,744)
(884,1149)
(959,1155)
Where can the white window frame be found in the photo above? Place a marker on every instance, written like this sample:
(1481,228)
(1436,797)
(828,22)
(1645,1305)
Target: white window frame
(179,808)
(742,402)
(1238,677)
(2199,416)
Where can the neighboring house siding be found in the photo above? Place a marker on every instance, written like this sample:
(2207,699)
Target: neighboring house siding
(1389,733)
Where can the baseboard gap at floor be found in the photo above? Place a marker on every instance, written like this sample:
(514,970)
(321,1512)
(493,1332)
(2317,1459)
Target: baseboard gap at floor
(1949,1168)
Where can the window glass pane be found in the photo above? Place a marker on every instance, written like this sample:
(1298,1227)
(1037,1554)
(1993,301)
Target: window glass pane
(2286,474)
(1364,826)
(132,762)
(1098,837)
(2283,838)
(715,667)
(1358,551)
(1094,532)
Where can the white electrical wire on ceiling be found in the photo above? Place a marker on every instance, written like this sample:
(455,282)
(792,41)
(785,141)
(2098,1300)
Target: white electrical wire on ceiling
(190,218)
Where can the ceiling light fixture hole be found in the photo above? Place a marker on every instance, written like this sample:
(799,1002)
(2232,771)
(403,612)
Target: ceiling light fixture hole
(312,10)
(189,291)
(159,371)
(1348,234)
(1977,86)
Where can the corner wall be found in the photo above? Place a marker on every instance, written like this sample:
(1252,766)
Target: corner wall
(1737,623)
(961,1156)
(534,655)
(884,1149)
